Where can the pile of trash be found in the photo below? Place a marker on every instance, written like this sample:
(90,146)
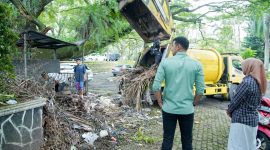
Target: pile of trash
(20,90)
(70,121)
(96,122)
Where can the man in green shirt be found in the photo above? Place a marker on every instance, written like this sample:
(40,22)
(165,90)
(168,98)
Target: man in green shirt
(180,73)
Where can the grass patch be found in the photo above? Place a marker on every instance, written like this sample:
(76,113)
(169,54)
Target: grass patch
(155,111)
(106,66)
(141,137)
(5,97)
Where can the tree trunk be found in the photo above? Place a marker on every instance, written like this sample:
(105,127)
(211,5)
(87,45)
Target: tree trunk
(266,40)
(30,16)
(239,37)
(41,6)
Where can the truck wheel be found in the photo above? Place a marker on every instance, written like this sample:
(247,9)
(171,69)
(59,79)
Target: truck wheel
(263,143)
(226,97)
(209,96)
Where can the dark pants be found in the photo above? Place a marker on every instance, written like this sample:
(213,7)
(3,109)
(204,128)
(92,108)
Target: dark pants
(56,87)
(59,86)
(169,125)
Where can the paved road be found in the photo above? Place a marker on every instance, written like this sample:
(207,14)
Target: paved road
(104,84)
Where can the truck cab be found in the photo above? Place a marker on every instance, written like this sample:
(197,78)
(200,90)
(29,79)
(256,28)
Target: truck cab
(232,72)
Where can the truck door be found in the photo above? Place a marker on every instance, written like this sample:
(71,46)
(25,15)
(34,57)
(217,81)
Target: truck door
(234,67)
(225,75)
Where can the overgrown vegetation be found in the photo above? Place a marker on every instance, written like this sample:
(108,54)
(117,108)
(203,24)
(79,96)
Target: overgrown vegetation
(99,23)
(255,43)
(7,45)
(248,53)
(5,97)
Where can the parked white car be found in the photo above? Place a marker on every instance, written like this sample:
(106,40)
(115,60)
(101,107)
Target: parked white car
(101,57)
(95,57)
(69,68)
(119,69)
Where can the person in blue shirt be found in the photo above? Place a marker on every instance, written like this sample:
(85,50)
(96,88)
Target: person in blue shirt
(79,73)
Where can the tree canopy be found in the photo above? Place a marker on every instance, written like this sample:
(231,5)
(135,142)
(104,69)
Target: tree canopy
(97,22)
(100,23)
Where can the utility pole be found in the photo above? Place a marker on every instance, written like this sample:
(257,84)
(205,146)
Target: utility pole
(54,54)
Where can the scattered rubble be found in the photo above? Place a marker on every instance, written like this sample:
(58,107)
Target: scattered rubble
(90,137)
(11,102)
(96,122)
(103,133)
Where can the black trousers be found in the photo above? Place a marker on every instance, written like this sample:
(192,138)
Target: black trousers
(56,87)
(169,125)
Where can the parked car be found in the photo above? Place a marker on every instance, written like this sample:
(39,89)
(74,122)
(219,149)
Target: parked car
(90,57)
(101,57)
(118,70)
(69,68)
(113,57)
(95,57)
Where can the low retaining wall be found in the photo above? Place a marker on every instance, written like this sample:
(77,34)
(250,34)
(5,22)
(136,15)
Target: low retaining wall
(21,125)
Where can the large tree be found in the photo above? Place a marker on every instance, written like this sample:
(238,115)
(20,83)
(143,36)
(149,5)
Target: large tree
(30,10)
(266,40)
(252,10)
(99,23)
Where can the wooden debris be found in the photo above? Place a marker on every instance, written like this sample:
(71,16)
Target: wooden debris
(134,84)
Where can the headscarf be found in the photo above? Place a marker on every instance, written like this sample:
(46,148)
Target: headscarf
(255,68)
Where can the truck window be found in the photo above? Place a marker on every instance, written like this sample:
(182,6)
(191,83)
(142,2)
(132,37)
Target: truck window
(237,64)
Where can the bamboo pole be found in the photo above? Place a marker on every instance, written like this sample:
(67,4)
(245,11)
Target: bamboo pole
(25,54)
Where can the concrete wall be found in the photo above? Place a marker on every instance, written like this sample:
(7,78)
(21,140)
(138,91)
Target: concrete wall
(21,126)
(36,67)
